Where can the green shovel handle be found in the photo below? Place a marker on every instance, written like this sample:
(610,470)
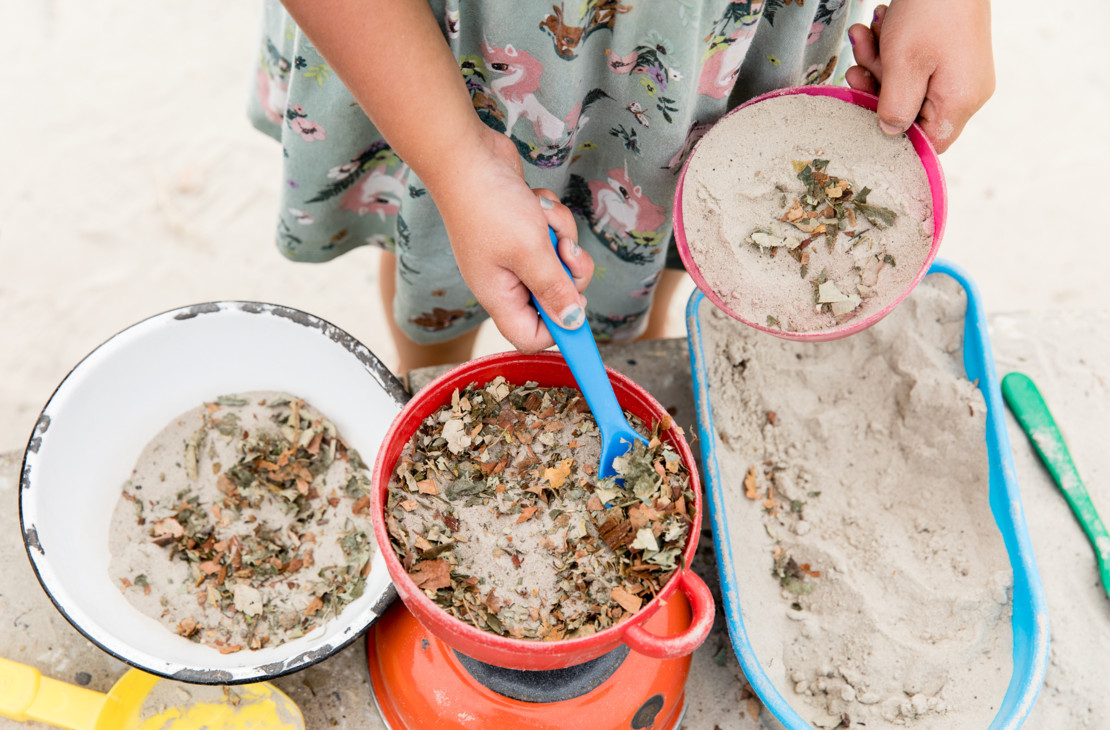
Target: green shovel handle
(1032,413)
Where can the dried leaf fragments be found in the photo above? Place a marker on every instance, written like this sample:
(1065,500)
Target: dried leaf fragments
(247,526)
(830,207)
(527,541)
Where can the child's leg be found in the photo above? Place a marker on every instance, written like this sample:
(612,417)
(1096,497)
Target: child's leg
(669,280)
(412,355)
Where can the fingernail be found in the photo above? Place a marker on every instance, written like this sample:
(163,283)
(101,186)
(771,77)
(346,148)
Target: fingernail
(547,203)
(575,249)
(572,317)
(852,39)
(879,12)
(891,128)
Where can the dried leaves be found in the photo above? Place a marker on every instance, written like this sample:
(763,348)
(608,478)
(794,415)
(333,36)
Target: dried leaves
(260,532)
(830,209)
(514,534)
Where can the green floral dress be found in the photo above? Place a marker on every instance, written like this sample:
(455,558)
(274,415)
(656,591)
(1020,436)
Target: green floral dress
(603,98)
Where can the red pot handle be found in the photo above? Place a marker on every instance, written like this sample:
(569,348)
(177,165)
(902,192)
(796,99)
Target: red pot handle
(671,647)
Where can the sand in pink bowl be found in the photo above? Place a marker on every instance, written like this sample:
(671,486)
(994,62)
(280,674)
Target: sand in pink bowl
(796,215)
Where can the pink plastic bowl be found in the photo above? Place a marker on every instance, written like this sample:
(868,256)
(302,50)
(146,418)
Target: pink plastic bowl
(549,369)
(929,159)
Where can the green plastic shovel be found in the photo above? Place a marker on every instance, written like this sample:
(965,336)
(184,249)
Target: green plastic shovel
(1032,413)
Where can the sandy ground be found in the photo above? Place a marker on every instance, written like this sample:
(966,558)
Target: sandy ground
(132,183)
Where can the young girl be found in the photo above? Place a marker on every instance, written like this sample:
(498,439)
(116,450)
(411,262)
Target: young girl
(452,133)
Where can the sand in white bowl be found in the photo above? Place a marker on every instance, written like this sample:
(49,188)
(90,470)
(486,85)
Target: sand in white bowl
(273,561)
(874,583)
(742,178)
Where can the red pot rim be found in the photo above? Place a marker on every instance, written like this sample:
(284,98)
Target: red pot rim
(930,160)
(548,369)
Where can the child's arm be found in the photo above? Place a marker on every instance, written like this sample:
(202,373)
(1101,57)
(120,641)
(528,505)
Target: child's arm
(393,58)
(929,61)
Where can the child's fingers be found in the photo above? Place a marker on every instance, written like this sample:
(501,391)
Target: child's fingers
(558,215)
(877,20)
(580,263)
(562,221)
(865,49)
(510,306)
(554,290)
(902,90)
(539,269)
(520,324)
(860,78)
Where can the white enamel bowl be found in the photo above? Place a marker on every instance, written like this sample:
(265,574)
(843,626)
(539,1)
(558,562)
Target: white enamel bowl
(113,402)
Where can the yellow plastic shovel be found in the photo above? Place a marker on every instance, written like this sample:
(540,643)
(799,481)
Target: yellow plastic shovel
(141,701)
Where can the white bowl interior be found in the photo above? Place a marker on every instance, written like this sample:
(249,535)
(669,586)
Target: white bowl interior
(108,408)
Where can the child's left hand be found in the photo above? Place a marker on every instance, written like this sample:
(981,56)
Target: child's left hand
(929,61)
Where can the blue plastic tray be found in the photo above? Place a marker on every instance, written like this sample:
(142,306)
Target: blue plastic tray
(1030,614)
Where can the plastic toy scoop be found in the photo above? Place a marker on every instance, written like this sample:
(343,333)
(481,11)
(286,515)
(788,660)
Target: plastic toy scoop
(1036,420)
(579,349)
(141,701)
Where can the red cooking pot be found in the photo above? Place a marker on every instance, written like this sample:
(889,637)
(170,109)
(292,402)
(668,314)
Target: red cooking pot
(548,369)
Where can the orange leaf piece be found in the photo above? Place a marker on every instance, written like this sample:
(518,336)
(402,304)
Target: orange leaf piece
(750,489)
(556,475)
(187,626)
(432,574)
(626,600)
(168,527)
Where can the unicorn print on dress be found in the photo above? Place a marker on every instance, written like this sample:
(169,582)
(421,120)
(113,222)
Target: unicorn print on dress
(379,192)
(515,85)
(622,206)
(719,71)
(272,83)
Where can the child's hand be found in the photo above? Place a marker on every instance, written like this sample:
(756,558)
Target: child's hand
(410,87)
(498,231)
(929,61)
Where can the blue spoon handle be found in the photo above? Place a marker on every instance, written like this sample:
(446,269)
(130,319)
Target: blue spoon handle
(580,351)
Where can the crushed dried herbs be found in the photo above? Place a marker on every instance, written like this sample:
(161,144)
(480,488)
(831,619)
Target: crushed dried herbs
(496,513)
(249,518)
(831,209)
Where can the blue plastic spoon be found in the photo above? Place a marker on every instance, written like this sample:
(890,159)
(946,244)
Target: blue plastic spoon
(579,349)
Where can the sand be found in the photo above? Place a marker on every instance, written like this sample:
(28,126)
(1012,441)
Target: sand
(876,584)
(738,187)
(275,594)
(499,490)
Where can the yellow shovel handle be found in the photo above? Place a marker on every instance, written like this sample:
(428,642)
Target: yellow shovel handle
(27,695)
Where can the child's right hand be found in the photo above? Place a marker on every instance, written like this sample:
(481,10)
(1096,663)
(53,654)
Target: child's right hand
(498,231)
(411,88)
